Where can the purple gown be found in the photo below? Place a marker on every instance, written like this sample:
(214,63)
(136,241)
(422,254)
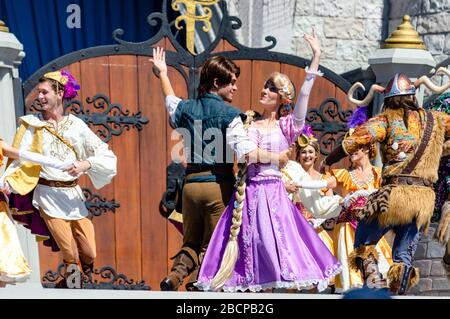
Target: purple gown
(278,248)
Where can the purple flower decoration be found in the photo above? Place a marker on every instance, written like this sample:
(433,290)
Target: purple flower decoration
(308,131)
(71,87)
(358,117)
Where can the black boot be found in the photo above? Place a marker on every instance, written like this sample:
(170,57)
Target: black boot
(183,265)
(88,272)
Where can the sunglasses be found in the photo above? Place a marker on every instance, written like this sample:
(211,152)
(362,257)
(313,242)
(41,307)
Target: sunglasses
(271,86)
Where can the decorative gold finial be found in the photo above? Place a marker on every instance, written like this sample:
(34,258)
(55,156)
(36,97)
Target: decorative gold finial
(405,37)
(3,27)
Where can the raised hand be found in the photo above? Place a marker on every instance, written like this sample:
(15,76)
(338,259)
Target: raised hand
(160,70)
(159,60)
(313,42)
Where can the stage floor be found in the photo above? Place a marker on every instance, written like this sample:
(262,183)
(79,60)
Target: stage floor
(35,291)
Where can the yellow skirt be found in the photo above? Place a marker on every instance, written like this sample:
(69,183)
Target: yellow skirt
(344,238)
(13,266)
(328,241)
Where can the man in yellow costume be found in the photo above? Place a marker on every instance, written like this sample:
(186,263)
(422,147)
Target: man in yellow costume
(57,198)
(411,141)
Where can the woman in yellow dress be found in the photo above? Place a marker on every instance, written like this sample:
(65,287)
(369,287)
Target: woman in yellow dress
(13,266)
(355,185)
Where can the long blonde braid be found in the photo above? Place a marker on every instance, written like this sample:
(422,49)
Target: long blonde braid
(231,252)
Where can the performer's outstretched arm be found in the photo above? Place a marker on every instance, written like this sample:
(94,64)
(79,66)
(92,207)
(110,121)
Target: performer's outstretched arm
(160,66)
(374,130)
(159,62)
(36,158)
(328,183)
(301,105)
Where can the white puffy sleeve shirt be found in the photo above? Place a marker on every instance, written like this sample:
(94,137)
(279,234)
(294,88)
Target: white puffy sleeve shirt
(69,202)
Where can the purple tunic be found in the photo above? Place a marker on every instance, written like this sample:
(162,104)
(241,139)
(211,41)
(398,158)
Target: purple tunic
(278,248)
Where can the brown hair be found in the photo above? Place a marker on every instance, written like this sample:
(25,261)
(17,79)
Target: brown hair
(56,86)
(312,143)
(219,68)
(372,148)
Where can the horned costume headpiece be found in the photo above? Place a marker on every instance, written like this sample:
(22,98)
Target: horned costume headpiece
(399,85)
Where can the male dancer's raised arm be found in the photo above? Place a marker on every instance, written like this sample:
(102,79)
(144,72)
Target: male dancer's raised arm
(237,137)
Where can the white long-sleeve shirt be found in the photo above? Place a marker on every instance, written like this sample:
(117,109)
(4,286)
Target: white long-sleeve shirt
(67,202)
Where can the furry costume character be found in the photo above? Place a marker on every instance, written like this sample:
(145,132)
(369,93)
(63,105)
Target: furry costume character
(412,141)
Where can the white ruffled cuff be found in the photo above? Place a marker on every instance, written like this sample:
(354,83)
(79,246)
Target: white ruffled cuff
(317,73)
(318,185)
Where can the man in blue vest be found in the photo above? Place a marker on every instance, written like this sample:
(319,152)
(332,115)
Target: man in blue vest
(212,132)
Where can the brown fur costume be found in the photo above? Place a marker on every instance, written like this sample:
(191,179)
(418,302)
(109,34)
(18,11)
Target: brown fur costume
(401,204)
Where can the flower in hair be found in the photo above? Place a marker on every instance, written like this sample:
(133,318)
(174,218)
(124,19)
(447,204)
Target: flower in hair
(285,89)
(72,87)
(67,81)
(286,101)
(307,130)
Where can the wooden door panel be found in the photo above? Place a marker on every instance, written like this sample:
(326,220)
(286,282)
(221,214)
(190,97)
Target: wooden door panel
(94,79)
(124,90)
(152,175)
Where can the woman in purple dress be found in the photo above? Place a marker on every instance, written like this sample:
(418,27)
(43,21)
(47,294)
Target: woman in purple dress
(261,240)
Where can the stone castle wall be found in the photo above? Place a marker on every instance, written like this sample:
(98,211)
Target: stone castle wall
(350,30)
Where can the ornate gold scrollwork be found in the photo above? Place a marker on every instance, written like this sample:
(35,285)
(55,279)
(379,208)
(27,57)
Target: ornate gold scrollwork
(191,17)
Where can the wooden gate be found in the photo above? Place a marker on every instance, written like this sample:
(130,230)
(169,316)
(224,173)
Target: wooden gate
(120,98)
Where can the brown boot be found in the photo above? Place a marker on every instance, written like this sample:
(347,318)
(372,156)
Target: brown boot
(183,265)
(88,272)
(365,259)
(402,278)
(192,280)
(194,276)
